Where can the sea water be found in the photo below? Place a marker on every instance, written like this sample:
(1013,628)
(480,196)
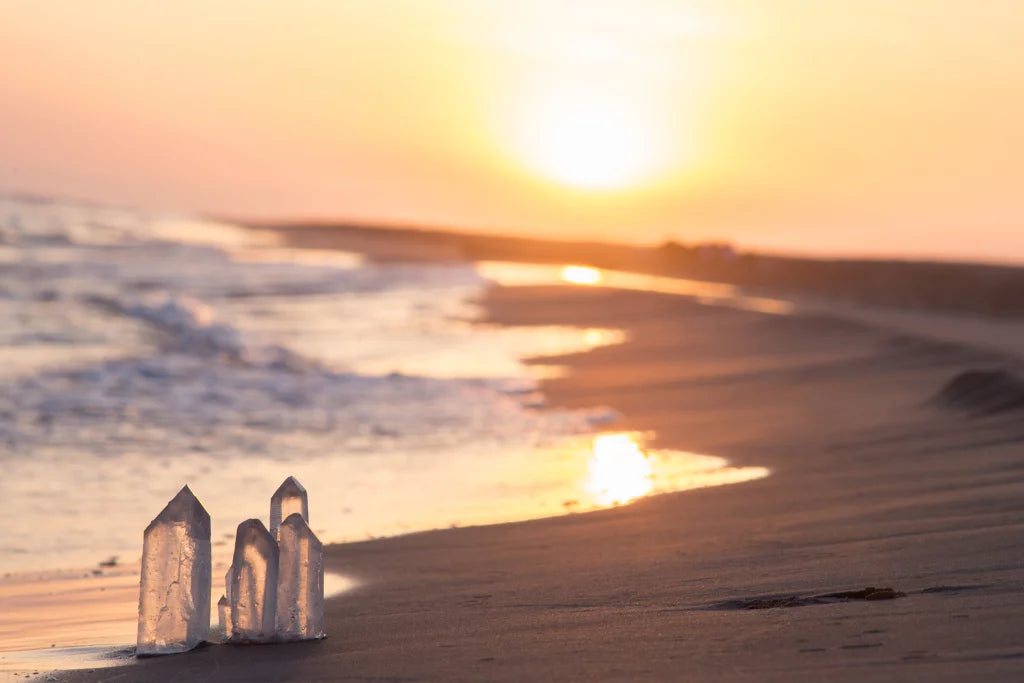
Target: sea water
(140,353)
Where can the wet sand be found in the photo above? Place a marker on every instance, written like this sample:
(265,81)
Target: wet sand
(874,484)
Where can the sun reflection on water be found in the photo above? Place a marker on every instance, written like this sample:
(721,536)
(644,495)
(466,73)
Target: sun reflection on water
(618,470)
(709,293)
(582,275)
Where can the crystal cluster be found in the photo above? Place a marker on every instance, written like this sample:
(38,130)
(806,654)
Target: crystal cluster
(274,590)
(174,590)
(275,587)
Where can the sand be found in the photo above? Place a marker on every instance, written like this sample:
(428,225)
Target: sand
(875,482)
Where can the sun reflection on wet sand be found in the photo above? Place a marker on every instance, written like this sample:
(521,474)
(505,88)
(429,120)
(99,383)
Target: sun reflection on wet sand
(618,470)
(581,275)
(510,274)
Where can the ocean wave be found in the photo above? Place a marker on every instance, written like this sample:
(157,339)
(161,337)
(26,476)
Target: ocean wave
(214,352)
(150,351)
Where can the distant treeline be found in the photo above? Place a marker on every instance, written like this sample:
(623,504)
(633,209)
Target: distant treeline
(959,287)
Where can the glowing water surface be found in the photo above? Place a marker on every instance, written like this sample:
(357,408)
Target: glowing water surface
(711,293)
(149,354)
(87,619)
(66,620)
(78,612)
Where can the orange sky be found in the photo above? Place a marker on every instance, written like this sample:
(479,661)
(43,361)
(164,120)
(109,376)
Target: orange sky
(877,126)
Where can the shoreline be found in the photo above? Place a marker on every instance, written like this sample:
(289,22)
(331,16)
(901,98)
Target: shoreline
(966,288)
(871,486)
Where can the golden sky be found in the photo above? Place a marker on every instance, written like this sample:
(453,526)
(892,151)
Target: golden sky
(876,126)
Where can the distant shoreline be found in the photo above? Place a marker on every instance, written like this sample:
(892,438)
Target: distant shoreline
(938,286)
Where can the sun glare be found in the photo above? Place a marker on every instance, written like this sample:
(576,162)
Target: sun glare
(588,141)
(618,471)
(581,275)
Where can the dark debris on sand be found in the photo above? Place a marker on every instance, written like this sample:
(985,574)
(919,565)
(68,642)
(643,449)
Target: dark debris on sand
(869,593)
(983,392)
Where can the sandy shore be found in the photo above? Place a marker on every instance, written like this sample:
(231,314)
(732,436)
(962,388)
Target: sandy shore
(873,484)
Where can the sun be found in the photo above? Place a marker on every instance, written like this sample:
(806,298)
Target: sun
(589,141)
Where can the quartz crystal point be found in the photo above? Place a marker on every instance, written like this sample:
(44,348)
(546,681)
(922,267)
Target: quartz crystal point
(174,589)
(224,615)
(290,497)
(300,582)
(253,583)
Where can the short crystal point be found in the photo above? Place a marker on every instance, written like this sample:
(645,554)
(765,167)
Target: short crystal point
(300,586)
(174,588)
(253,583)
(224,615)
(289,498)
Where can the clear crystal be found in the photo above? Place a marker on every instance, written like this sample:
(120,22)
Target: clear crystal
(290,497)
(300,588)
(224,615)
(253,583)
(227,584)
(174,589)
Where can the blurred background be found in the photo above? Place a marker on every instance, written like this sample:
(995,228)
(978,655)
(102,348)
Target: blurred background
(872,128)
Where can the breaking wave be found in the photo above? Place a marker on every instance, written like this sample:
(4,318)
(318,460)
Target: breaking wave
(146,352)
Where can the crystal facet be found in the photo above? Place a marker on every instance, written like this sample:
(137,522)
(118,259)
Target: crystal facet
(253,583)
(174,590)
(290,497)
(300,587)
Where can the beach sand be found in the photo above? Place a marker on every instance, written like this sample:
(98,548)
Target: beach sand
(874,483)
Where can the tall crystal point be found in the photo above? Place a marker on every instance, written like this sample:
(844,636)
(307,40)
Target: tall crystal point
(174,590)
(300,582)
(289,497)
(253,583)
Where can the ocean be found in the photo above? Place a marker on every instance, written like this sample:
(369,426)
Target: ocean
(144,352)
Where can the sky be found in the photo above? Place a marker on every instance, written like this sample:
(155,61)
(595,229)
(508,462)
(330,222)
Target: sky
(876,127)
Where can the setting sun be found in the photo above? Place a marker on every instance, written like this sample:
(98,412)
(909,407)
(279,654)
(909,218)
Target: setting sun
(589,141)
